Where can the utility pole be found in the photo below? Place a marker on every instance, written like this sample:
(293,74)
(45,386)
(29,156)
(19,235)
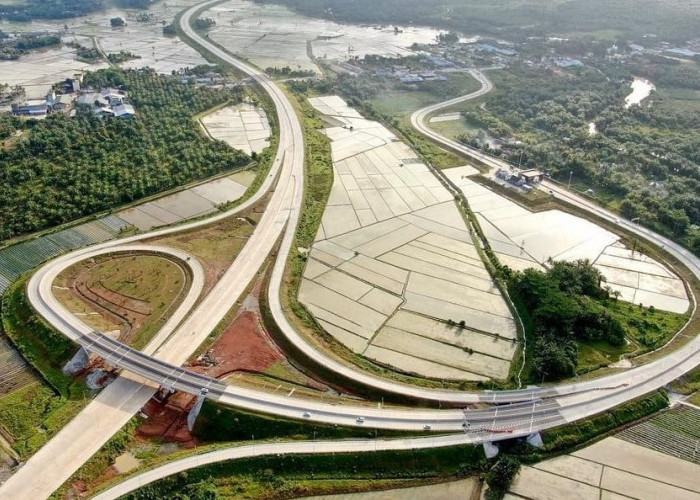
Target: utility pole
(571,174)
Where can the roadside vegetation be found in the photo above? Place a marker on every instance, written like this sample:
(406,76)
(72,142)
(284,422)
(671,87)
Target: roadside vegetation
(33,414)
(570,316)
(65,168)
(289,476)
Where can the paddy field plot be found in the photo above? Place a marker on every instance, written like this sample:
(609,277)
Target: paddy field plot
(393,273)
(638,463)
(274,36)
(523,239)
(243,127)
(193,202)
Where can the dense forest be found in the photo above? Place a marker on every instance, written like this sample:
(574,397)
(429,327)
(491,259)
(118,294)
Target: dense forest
(670,19)
(63,168)
(62,9)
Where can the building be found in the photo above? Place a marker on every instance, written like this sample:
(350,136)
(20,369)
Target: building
(532,176)
(678,51)
(113,97)
(491,49)
(33,108)
(63,102)
(124,111)
(566,62)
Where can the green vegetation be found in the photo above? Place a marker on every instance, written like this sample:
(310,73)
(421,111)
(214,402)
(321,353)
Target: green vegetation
(287,72)
(561,307)
(203,23)
(85,54)
(670,20)
(121,56)
(642,161)
(44,348)
(48,9)
(290,476)
(140,291)
(501,475)
(12,48)
(34,414)
(117,22)
(100,462)
(65,167)
(563,439)
(217,423)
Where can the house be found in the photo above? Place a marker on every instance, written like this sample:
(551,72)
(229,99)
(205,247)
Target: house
(112,96)
(491,49)
(566,62)
(63,102)
(411,79)
(124,111)
(33,108)
(677,51)
(103,112)
(532,176)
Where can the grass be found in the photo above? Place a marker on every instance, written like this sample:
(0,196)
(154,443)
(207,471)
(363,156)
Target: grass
(217,423)
(33,414)
(215,245)
(98,464)
(46,349)
(575,435)
(403,100)
(290,476)
(156,284)
(688,383)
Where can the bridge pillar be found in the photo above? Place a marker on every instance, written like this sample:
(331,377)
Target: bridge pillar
(535,440)
(194,412)
(490,449)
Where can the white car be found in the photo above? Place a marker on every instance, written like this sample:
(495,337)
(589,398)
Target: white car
(426,427)
(360,420)
(307,414)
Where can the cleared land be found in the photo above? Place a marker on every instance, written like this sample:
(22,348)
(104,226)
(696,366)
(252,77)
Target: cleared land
(648,468)
(523,239)
(393,262)
(243,127)
(128,295)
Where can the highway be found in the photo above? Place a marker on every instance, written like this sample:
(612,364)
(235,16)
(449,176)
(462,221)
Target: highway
(522,412)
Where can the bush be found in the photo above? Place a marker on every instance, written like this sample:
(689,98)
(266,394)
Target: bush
(501,475)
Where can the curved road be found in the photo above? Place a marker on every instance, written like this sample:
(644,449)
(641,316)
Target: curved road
(529,411)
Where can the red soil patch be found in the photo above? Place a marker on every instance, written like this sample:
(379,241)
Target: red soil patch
(244,346)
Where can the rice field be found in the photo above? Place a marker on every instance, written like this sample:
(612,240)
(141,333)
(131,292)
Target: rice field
(675,432)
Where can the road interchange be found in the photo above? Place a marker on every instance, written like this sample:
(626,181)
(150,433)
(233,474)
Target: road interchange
(528,410)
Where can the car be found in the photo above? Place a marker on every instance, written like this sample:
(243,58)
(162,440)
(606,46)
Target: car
(426,427)
(360,420)
(205,390)
(307,414)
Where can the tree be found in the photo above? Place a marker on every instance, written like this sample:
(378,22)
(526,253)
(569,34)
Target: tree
(117,22)
(501,475)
